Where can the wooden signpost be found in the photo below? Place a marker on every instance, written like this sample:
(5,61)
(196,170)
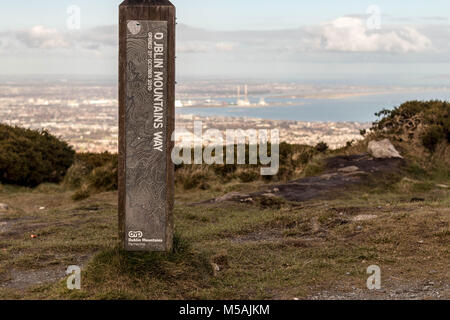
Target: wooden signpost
(146,123)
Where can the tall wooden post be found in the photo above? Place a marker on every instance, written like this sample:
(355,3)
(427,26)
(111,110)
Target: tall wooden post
(146,123)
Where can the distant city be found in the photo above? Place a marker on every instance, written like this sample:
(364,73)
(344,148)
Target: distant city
(85,113)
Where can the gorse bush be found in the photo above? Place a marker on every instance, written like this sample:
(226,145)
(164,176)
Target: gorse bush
(30,157)
(94,160)
(426,121)
(81,194)
(75,175)
(195,178)
(104,178)
(92,173)
(420,130)
(98,172)
(432,136)
(321,147)
(248,175)
(293,159)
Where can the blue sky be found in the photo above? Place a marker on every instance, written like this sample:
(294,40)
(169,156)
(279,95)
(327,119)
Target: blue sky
(239,38)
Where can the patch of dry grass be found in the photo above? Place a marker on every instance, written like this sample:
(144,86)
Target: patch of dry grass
(296,250)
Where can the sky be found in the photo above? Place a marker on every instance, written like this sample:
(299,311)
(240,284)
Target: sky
(239,38)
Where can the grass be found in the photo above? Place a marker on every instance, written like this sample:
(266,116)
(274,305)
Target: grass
(262,252)
(265,249)
(314,167)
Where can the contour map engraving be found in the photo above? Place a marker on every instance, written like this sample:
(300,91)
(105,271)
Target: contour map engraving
(146,125)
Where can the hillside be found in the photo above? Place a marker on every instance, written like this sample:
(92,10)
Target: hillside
(308,233)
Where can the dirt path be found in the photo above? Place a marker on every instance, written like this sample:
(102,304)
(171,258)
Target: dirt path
(415,290)
(42,234)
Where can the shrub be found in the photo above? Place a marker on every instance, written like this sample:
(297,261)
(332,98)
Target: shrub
(305,157)
(196,178)
(271,202)
(104,178)
(321,147)
(81,194)
(411,113)
(348,144)
(94,160)
(432,136)
(224,170)
(314,167)
(92,173)
(293,159)
(30,157)
(248,175)
(75,175)
(417,128)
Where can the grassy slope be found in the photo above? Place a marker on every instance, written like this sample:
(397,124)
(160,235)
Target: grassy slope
(298,250)
(314,249)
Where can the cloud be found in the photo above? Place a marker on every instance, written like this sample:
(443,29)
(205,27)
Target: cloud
(193,47)
(97,36)
(342,40)
(204,47)
(225,46)
(345,34)
(41,37)
(350,34)
(436,18)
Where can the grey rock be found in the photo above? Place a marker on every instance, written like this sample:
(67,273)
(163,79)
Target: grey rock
(383,149)
(269,195)
(364,217)
(349,169)
(232,196)
(328,176)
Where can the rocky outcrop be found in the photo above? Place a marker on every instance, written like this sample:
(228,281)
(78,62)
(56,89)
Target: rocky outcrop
(341,172)
(232,196)
(382,149)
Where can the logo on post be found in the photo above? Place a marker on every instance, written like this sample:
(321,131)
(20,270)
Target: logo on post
(135,234)
(134,27)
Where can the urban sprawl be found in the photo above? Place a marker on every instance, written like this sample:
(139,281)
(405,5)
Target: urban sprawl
(86,115)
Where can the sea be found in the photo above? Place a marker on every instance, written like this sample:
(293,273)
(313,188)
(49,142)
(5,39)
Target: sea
(349,109)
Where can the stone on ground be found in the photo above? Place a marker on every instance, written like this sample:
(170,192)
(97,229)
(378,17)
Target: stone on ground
(364,217)
(383,149)
(232,196)
(349,169)
(3,207)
